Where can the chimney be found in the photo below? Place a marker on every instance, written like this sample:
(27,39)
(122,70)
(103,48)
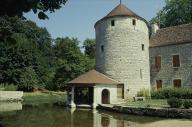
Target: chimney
(154,29)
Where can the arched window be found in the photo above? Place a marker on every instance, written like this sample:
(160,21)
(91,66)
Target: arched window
(134,22)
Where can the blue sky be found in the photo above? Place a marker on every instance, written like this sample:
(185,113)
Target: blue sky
(77,17)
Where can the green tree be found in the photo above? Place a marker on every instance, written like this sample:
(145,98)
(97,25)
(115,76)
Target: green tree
(176,12)
(18,7)
(90,47)
(71,61)
(23,44)
(27,79)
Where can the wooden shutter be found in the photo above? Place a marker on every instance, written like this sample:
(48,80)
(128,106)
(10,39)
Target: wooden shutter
(176,61)
(177,83)
(159,84)
(158,62)
(120,91)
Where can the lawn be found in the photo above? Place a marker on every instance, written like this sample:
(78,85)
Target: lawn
(36,98)
(148,103)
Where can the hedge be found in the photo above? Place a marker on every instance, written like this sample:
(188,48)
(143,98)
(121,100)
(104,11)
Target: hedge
(166,93)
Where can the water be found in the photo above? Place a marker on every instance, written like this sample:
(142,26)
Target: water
(53,116)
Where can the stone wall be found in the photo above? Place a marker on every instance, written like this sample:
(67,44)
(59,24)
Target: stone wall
(159,112)
(123,58)
(11,95)
(168,73)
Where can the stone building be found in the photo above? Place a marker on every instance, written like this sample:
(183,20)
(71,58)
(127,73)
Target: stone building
(122,49)
(171,57)
(123,67)
(122,61)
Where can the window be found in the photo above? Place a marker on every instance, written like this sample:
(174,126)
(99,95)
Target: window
(134,22)
(177,83)
(176,61)
(102,48)
(120,91)
(112,22)
(158,62)
(143,47)
(159,84)
(141,73)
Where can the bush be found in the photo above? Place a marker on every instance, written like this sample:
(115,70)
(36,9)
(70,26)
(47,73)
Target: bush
(8,87)
(166,93)
(143,93)
(187,104)
(174,102)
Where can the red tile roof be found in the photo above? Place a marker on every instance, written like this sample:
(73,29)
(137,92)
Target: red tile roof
(121,10)
(172,35)
(93,77)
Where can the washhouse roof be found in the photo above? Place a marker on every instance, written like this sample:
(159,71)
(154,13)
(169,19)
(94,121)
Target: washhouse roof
(121,11)
(93,77)
(172,36)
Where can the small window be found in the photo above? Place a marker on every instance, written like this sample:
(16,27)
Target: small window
(102,48)
(134,22)
(158,62)
(112,22)
(177,83)
(143,47)
(159,84)
(176,61)
(141,73)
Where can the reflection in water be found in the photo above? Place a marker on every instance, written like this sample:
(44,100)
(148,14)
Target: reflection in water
(49,116)
(10,106)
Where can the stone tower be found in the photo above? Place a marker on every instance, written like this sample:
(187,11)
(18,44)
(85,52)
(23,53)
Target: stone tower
(122,49)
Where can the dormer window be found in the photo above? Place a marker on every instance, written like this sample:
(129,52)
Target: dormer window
(134,22)
(112,22)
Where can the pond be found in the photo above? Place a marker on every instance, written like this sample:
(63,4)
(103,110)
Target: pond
(55,116)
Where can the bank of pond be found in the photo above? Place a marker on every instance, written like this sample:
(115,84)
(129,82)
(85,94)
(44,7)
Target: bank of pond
(47,115)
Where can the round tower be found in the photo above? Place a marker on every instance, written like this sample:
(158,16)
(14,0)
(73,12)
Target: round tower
(122,49)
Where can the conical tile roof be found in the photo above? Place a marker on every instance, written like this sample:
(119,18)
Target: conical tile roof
(122,10)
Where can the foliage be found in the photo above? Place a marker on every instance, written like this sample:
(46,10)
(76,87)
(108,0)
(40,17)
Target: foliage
(39,7)
(166,93)
(8,87)
(28,79)
(176,12)
(174,102)
(143,93)
(71,62)
(29,59)
(187,104)
(90,47)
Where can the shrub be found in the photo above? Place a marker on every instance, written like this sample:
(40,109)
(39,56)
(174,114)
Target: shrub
(143,93)
(8,87)
(174,102)
(187,104)
(166,93)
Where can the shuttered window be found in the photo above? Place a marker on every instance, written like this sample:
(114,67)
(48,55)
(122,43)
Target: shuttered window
(158,62)
(176,61)
(177,83)
(120,91)
(159,84)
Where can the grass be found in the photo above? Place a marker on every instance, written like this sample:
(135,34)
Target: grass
(161,103)
(36,98)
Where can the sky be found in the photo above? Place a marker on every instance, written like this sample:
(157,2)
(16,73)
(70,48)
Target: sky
(77,17)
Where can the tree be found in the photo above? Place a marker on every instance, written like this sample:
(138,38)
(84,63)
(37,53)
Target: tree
(90,47)
(17,7)
(23,44)
(176,12)
(71,61)
(27,79)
